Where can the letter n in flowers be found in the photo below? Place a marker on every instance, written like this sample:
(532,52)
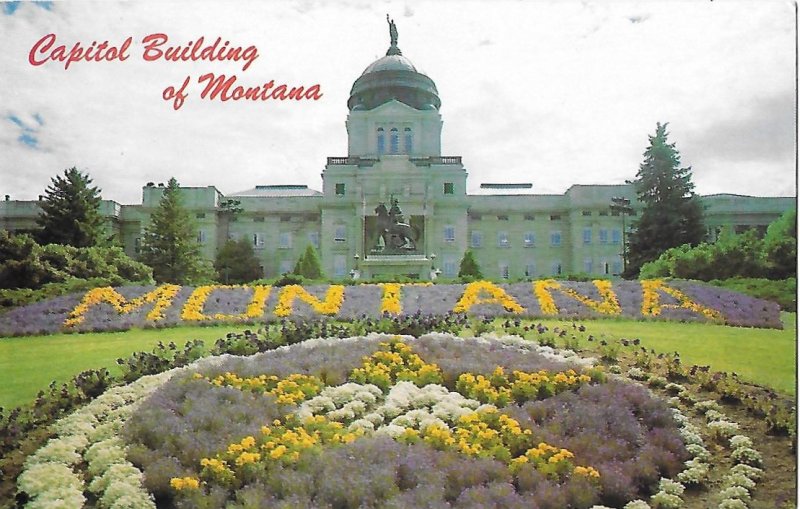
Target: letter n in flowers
(607,305)
(330,306)
(161,298)
(193,309)
(651,301)
(484,292)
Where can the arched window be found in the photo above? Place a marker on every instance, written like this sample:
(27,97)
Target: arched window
(394,140)
(381,141)
(409,140)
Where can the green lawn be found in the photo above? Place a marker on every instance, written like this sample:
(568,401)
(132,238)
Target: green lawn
(763,356)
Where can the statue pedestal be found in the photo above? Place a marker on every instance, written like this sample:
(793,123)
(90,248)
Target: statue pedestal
(414,266)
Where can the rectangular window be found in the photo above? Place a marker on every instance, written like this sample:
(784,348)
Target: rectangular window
(529,217)
(476,239)
(503,271)
(448,188)
(530,269)
(286,266)
(200,215)
(339,189)
(556,268)
(555,238)
(475,217)
(603,213)
(529,239)
(616,267)
(258,240)
(586,213)
(449,233)
(555,217)
(339,265)
(450,267)
(286,219)
(502,217)
(201,237)
(258,219)
(313,239)
(137,245)
(587,265)
(285,240)
(603,236)
(616,236)
(587,235)
(340,234)
(502,239)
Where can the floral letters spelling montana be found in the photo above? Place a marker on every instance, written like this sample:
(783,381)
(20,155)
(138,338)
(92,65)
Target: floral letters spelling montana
(543,298)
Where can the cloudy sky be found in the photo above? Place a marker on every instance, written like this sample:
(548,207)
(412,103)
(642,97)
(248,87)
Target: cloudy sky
(550,93)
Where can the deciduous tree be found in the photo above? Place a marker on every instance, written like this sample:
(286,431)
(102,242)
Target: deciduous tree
(237,263)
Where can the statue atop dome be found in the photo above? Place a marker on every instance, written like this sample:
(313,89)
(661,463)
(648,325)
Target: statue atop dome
(393,49)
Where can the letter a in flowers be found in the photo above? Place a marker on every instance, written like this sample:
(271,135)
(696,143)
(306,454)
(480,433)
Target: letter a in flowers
(607,305)
(473,296)
(651,301)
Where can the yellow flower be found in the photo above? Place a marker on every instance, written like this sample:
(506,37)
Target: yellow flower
(330,306)
(651,305)
(472,296)
(161,298)
(184,483)
(607,305)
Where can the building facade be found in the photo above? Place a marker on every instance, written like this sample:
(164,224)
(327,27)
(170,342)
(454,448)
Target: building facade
(395,205)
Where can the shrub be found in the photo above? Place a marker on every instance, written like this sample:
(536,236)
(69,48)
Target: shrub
(469,267)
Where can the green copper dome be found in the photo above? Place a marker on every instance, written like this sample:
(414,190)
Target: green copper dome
(393,77)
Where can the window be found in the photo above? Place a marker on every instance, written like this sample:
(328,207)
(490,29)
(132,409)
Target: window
(555,217)
(137,245)
(606,267)
(502,239)
(503,270)
(475,217)
(616,267)
(394,140)
(381,141)
(587,265)
(286,219)
(603,213)
(450,267)
(339,265)
(409,140)
(449,233)
(616,236)
(530,269)
(529,239)
(449,188)
(603,236)
(586,213)
(556,268)
(476,239)
(258,240)
(285,240)
(340,233)
(339,189)
(555,238)
(529,217)
(200,215)
(587,235)
(258,219)
(201,237)
(313,239)
(502,217)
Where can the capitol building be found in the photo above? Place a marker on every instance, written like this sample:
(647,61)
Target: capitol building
(395,205)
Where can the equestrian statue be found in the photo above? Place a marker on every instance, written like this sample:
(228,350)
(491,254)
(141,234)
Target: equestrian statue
(394,234)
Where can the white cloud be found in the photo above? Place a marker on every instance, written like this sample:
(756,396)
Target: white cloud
(553,93)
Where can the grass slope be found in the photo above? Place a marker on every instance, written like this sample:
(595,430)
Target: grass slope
(763,356)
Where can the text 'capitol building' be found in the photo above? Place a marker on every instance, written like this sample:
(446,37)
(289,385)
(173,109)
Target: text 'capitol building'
(396,206)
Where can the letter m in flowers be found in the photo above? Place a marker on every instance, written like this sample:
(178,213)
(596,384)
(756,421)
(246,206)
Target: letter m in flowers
(161,298)
(607,305)
(330,306)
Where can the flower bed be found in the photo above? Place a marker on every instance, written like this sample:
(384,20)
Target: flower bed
(118,309)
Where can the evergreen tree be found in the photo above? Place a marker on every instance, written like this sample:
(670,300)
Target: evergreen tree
(672,214)
(170,244)
(469,267)
(237,263)
(308,265)
(71,211)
